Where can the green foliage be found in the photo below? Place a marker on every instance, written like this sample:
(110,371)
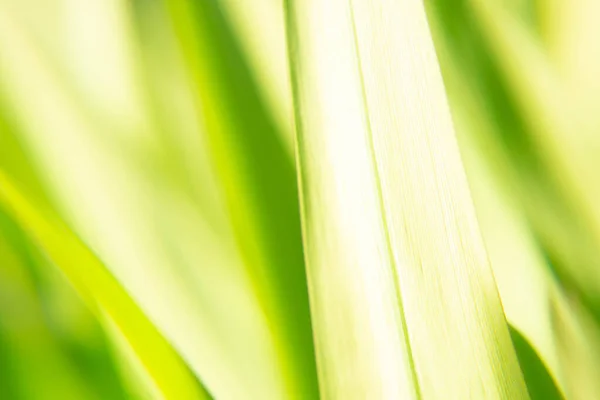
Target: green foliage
(431,235)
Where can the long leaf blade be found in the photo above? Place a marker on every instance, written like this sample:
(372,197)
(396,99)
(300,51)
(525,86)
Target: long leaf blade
(257,182)
(104,295)
(403,299)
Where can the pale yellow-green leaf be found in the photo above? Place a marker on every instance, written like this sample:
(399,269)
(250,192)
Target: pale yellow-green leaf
(520,269)
(402,295)
(524,281)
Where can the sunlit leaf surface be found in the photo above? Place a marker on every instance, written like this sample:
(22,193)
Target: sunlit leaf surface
(418,220)
(403,298)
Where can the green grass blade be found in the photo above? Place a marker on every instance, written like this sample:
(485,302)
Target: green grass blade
(520,268)
(104,295)
(161,232)
(257,178)
(404,302)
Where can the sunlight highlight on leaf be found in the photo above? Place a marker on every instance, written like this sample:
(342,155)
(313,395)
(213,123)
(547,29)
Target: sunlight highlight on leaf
(403,298)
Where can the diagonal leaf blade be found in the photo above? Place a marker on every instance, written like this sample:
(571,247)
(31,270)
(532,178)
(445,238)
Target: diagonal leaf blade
(257,181)
(403,299)
(104,295)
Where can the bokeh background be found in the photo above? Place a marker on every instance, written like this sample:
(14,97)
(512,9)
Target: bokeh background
(161,134)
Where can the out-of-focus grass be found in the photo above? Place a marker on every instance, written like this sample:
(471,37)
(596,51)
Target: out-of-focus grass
(514,73)
(44,324)
(159,134)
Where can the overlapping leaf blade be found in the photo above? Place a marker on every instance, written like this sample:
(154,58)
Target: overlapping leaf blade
(102,292)
(257,180)
(403,299)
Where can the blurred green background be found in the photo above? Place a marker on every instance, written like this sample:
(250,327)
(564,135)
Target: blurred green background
(158,135)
